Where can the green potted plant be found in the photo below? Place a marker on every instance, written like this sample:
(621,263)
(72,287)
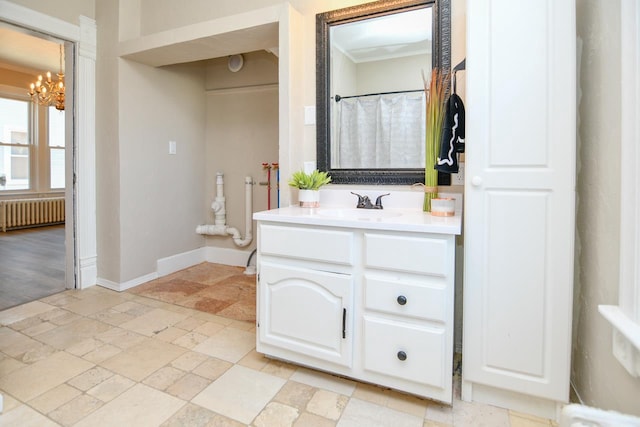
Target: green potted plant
(308,185)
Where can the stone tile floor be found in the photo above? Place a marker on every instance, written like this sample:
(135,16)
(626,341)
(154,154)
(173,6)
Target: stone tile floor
(213,288)
(153,357)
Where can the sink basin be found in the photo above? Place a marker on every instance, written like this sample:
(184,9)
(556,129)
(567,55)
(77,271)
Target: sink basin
(357,214)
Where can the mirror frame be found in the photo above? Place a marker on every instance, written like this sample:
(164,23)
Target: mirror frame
(440,57)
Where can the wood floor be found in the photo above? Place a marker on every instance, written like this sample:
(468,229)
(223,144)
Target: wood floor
(32,264)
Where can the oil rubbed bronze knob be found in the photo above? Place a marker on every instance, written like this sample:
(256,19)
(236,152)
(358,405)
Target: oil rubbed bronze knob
(402,300)
(402,355)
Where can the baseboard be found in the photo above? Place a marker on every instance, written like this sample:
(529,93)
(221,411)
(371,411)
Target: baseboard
(88,272)
(540,407)
(128,284)
(171,264)
(225,256)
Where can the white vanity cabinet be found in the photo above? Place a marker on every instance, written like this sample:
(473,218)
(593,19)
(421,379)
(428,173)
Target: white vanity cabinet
(519,203)
(372,304)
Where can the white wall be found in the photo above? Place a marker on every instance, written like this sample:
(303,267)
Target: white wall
(598,377)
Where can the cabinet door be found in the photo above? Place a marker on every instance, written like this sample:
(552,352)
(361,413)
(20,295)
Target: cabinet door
(306,311)
(519,195)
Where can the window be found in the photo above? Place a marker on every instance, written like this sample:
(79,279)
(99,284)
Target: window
(14,144)
(625,317)
(32,145)
(56,148)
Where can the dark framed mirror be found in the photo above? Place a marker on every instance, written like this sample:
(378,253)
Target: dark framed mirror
(370,61)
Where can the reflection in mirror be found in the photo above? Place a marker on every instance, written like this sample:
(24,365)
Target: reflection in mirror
(370,91)
(377,121)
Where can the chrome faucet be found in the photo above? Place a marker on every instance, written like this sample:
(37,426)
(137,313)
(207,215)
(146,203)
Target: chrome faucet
(364,202)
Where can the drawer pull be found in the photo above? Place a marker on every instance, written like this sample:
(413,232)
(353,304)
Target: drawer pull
(402,355)
(402,300)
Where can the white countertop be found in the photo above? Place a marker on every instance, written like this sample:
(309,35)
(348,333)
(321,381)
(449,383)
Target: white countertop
(391,219)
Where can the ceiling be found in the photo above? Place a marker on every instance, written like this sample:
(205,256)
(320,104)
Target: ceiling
(385,37)
(26,52)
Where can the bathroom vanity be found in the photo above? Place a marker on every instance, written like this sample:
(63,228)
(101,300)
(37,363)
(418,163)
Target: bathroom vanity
(368,294)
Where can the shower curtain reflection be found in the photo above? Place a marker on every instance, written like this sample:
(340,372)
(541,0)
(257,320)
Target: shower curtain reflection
(380,131)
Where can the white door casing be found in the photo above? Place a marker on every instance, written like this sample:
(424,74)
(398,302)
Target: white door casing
(80,113)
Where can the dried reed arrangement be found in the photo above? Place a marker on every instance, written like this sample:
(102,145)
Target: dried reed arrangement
(435,91)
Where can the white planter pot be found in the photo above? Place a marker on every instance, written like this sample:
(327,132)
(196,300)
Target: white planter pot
(309,198)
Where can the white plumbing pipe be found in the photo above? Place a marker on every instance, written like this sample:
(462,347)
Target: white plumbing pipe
(219,205)
(219,228)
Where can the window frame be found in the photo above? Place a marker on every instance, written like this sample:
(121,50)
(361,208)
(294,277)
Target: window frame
(625,317)
(45,169)
(38,146)
(13,93)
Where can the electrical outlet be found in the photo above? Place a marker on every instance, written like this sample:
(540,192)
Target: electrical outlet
(458,178)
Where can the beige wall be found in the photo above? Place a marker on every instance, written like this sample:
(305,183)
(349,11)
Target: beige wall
(160,194)
(599,379)
(241,134)
(16,79)
(67,10)
(107,142)
(391,75)
(344,73)
(161,15)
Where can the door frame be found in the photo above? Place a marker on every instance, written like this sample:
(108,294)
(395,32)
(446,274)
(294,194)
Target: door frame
(80,197)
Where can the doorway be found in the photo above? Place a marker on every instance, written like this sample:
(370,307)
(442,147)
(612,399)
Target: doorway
(36,166)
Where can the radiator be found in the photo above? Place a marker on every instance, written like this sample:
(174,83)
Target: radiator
(23,213)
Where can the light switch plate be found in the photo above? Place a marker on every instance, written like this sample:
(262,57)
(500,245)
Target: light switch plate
(172,147)
(310,115)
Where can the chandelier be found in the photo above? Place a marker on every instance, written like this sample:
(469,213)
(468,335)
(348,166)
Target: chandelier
(47,92)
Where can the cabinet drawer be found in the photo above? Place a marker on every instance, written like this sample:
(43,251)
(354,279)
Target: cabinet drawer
(397,296)
(423,348)
(414,254)
(315,244)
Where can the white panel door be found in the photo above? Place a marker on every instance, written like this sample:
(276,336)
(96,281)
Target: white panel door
(519,195)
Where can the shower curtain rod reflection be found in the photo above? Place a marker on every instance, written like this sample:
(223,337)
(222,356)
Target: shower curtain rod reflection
(338,97)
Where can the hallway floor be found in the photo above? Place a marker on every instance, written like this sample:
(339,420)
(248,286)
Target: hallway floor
(31,264)
(158,356)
